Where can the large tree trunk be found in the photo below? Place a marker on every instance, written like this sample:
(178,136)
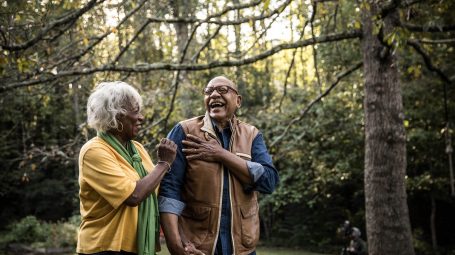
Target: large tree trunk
(387,217)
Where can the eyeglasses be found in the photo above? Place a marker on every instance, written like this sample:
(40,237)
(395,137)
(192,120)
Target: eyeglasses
(220,89)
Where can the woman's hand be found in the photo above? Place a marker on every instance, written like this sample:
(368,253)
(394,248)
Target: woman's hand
(166,150)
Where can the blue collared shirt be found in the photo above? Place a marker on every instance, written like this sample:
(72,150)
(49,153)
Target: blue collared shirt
(261,169)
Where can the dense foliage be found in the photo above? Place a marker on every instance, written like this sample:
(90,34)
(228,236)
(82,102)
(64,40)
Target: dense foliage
(318,148)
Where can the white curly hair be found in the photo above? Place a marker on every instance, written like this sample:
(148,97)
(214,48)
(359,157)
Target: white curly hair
(107,101)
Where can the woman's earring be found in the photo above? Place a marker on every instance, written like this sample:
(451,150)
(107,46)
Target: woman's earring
(121,129)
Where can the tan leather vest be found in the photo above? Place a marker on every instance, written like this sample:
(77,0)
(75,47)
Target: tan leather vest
(202,192)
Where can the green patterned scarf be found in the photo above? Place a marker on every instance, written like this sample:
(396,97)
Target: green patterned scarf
(148,222)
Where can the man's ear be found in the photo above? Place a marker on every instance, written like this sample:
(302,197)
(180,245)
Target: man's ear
(239,101)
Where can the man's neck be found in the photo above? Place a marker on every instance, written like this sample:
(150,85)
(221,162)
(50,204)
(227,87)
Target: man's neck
(221,126)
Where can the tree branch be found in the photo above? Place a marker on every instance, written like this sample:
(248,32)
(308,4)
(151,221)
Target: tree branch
(99,39)
(304,111)
(70,18)
(210,19)
(195,57)
(186,66)
(315,52)
(438,41)
(428,61)
(135,36)
(436,29)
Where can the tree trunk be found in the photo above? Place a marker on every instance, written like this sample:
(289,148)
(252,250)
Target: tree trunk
(182,9)
(238,51)
(387,217)
(434,240)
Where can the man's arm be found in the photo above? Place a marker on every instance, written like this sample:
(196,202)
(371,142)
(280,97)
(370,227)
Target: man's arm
(261,167)
(169,222)
(259,173)
(170,202)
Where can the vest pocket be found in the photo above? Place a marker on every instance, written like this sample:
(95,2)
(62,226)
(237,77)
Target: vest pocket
(250,224)
(196,223)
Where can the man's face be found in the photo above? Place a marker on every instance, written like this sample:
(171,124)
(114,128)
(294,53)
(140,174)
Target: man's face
(221,100)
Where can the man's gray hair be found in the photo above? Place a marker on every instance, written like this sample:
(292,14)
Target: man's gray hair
(223,78)
(109,100)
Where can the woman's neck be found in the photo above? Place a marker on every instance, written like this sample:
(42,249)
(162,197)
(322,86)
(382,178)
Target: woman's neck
(122,141)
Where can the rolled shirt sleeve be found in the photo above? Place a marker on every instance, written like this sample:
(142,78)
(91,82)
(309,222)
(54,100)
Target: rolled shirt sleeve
(261,168)
(170,205)
(256,170)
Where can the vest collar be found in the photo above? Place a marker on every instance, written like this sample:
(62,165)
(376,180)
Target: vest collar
(209,125)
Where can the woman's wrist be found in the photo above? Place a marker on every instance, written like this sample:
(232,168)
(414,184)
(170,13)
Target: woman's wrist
(166,163)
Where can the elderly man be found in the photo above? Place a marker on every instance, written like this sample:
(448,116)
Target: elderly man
(208,201)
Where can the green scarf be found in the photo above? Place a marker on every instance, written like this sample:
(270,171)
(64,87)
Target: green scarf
(147,225)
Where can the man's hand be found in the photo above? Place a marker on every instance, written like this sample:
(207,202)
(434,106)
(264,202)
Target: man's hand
(166,150)
(190,249)
(197,148)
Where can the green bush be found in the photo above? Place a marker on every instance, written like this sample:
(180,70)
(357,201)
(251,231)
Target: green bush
(63,234)
(29,230)
(40,234)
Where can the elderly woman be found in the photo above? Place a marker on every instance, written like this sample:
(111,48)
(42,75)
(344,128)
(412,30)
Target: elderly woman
(117,177)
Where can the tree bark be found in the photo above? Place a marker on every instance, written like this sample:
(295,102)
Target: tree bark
(387,217)
(181,9)
(434,240)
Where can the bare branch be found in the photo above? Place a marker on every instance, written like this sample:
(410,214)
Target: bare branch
(288,73)
(235,8)
(290,68)
(136,35)
(428,61)
(264,31)
(419,28)
(101,38)
(210,19)
(70,18)
(185,66)
(315,52)
(205,45)
(304,111)
(438,41)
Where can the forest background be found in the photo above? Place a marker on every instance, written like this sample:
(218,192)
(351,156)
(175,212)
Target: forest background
(355,100)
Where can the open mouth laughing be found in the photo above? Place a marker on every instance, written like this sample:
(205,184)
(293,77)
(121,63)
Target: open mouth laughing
(216,105)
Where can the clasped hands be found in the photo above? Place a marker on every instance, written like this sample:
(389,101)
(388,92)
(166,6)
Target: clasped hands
(196,148)
(190,249)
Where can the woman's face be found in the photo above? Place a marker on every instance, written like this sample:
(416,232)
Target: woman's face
(131,121)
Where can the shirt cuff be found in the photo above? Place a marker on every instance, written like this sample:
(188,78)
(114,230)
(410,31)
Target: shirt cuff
(256,170)
(170,205)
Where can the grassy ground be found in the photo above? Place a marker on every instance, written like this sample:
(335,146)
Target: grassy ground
(262,251)
(283,251)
